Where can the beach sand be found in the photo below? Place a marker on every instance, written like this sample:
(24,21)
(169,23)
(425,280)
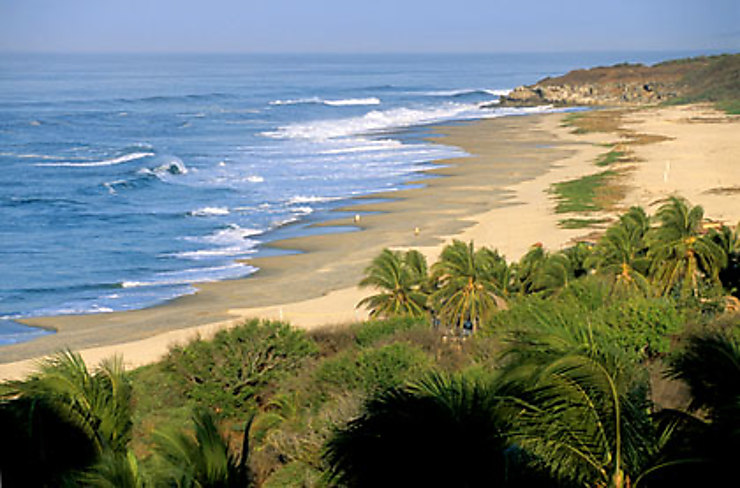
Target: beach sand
(498,197)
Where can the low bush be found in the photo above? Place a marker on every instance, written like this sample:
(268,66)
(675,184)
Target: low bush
(639,324)
(371,332)
(642,325)
(371,370)
(226,372)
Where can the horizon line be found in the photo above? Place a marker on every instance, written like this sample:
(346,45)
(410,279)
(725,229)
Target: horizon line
(717,51)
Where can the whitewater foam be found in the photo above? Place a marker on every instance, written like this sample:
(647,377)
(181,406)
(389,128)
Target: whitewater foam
(302,210)
(232,240)
(353,101)
(365,145)
(194,275)
(106,162)
(468,91)
(232,233)
(172,166)
(28,156)
(311,199)
(333,103)
(209,211)
(377,121)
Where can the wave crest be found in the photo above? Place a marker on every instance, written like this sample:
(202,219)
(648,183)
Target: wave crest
(209,211)
(467,91)
(332,103)
(124,158)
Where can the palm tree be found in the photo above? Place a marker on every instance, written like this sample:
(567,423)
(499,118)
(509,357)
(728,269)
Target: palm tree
(204,458)
(401,277)
(621,254)
(680,256)
(526,273)
(37,446)
(556,273)
(710,366)
(582,407)
(704,448)
(729,241)
(97,402)
(441,431)
(469,286)
(115,470)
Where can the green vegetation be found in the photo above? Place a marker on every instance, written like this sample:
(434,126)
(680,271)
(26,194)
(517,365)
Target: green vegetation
(227,372)
(681,258)
(571,120)
(587,194)
(731,107)
(576,223)
(542,372)
(371,370)
(203,458)
(716,80)
(610,158)
(400,275)
(468,284)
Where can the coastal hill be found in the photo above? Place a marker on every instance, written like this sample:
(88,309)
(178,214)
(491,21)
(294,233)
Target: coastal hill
(706,78)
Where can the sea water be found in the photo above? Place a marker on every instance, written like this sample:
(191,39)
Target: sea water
(124,179)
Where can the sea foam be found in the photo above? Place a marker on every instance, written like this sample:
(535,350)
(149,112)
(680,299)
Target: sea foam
(194,275)
(333,103)
(209,211)
(106,162)
(377,121)
(467,91)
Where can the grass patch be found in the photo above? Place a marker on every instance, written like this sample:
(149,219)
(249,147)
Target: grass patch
(730,107)
(572,120)
(609,158)
(587,194)
(594,121)
(576,223)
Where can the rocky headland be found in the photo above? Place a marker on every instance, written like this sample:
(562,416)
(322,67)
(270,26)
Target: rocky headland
(712,78)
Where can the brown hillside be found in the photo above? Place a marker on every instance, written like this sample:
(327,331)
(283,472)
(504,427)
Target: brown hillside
(705,78)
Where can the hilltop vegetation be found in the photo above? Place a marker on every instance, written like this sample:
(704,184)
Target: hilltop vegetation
(713,79)
(613,363)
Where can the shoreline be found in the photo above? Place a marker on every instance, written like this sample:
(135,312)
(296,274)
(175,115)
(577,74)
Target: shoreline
(501,185)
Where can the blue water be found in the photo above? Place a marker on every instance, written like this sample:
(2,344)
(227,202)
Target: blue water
(126,178)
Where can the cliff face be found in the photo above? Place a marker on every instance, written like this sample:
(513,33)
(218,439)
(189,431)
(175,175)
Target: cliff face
(621,93)
(625,84)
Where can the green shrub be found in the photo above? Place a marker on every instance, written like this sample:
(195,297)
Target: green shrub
(639,324)
(642,325)
(371,370)
(589,293)
(371,332)
(227,372)
(295,474)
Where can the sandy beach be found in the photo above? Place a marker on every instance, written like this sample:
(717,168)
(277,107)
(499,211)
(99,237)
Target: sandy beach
(498,197)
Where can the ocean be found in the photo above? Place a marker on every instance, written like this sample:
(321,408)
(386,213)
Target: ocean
(124,179)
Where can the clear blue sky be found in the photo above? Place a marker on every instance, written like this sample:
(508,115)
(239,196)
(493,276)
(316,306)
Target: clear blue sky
(367,25)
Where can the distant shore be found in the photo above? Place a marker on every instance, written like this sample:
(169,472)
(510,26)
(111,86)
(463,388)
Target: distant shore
(498,197)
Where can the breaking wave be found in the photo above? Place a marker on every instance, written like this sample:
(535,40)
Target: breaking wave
(333,103)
